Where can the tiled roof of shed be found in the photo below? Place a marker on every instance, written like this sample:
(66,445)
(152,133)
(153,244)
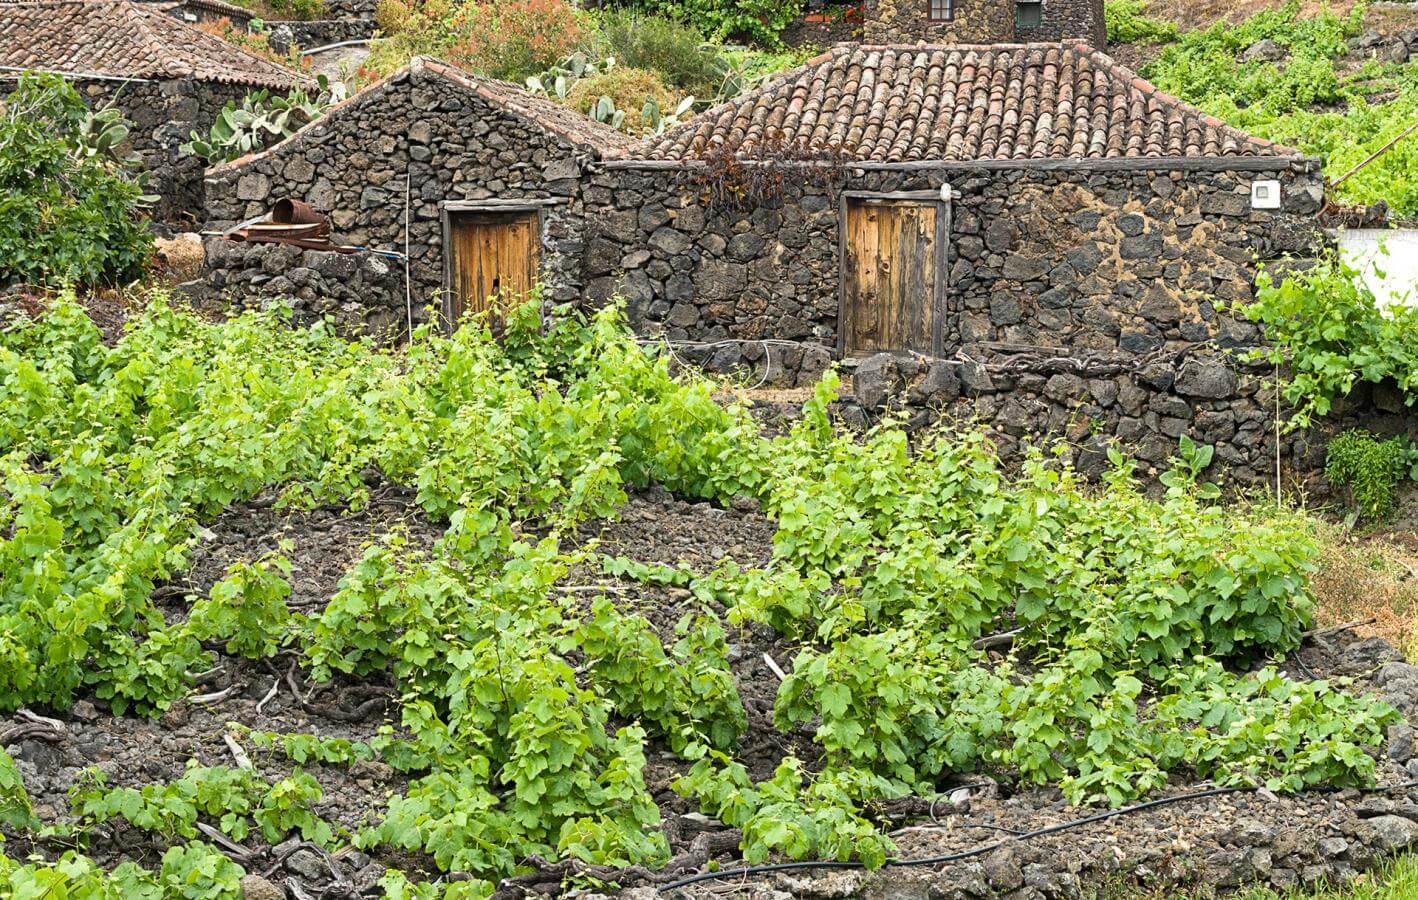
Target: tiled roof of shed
(568,123)
(963,103)
(121,39)
(238,14)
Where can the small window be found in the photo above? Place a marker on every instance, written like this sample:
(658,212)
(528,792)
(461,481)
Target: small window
(1029,14)
(942,10)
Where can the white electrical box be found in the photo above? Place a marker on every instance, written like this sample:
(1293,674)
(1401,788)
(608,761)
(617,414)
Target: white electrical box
(1265,195)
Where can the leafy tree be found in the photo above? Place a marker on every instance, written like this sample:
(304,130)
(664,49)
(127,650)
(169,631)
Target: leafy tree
(67,214)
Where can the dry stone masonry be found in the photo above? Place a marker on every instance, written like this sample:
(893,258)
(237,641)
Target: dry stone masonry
(362,293)
(1088,261)
(163,115)
(1141,404)
(1088,275)
(341,20)
(422,136)
(982,22)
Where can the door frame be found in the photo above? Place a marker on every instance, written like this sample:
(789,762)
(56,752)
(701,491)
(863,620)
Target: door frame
(449,209)
(940,250)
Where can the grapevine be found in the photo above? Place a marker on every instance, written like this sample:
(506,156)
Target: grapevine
(526,711)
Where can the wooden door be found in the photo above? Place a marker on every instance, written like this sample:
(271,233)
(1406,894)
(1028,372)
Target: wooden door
(491,261)
(893,276)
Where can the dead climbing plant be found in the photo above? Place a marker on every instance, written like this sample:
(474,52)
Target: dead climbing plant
(755,174)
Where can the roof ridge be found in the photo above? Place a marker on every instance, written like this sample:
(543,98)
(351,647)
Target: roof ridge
(617,145)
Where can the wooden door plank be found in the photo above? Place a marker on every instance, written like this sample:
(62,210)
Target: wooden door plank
(894,268)
(891,277)
(917,284)
(851,277)
(868,312)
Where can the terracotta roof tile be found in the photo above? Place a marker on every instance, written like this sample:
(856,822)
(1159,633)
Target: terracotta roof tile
(120,39)
(962,103)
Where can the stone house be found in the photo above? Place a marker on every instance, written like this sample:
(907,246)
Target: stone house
(1020,194)
(994,208)
(983,21)
(167,77)
(427,159)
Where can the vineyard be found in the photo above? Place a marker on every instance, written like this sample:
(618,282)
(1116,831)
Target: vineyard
(1321,88)
(526,668)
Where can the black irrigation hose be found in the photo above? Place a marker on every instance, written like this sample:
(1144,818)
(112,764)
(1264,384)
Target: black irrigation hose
(980,851)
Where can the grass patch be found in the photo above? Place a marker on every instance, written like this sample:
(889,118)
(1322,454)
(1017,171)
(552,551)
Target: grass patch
(1363,576)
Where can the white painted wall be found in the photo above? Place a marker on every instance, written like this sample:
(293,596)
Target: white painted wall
(1364,248)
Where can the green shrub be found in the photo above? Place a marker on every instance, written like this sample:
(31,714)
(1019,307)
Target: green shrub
(761,21)
(276,10)
(675,50)
(1370,468)
(392,16)
(1128,23)
(66,215)
(511,40)
(628,90)
(302,10)
(247,608)
(1327,327)
(514,39)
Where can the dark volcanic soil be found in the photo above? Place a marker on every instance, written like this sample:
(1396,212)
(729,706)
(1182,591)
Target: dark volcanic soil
(1219,841)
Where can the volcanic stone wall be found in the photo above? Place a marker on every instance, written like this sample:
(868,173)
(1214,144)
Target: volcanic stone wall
(1084,305)
(163,115)
(342,21)
(362,293)
(1062,19)
(909,22)
(1143,405)
(285,34)
(982,22)
(1093,261)
(419,130)
(350,9)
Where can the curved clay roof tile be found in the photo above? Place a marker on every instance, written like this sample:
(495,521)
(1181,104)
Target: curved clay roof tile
(966,102)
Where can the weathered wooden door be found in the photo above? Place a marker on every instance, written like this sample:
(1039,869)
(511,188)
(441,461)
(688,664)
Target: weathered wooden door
(491,261)
(893,274)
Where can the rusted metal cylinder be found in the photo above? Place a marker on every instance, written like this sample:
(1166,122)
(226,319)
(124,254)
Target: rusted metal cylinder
(293,212)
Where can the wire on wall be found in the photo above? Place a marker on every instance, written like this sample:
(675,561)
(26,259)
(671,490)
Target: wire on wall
(408,279)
